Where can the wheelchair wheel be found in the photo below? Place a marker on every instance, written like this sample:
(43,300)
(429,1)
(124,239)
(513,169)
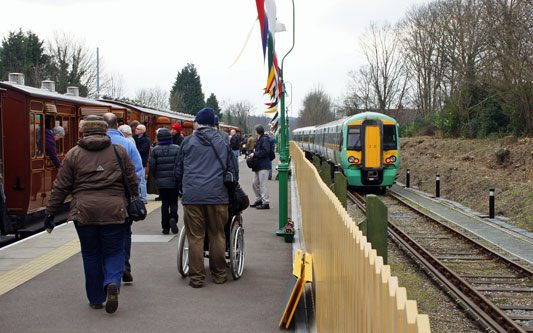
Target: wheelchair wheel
(183,253)
(236,249)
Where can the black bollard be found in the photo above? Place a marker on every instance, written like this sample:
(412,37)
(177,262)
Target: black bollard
(437,186)
(408,178)
(491,203)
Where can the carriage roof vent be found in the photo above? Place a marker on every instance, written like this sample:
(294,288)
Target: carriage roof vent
(73,91)
(17,78)
(48,85)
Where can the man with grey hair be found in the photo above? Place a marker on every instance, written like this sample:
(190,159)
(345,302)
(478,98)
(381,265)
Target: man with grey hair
(51,136)
(143,146)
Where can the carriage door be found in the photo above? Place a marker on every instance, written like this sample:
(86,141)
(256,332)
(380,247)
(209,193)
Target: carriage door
(372,153)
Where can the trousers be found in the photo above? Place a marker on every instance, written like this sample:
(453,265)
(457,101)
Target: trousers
(169,205)
(260,186)
(197,219)
(102,250)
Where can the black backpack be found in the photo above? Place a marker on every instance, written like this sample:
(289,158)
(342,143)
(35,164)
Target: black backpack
(272,153)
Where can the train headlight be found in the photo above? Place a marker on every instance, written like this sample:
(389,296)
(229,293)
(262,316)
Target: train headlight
(393,159)
(351,159)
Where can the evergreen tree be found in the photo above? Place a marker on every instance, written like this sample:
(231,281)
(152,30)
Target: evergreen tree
(23,53)
(187,91)
(212,103)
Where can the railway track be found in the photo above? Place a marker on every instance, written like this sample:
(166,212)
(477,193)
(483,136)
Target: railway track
(495,291)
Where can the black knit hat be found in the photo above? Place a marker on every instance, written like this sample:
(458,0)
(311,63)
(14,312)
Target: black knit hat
(163,134)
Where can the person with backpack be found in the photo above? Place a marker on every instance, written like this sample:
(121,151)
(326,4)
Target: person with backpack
(261,168)
(272,155)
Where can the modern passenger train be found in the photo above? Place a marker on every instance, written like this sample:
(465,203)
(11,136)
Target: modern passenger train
(364,146)
(28,173)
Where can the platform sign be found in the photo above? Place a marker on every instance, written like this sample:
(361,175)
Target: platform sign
(302,273)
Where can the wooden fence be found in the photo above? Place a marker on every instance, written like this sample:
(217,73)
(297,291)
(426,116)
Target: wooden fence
(355,291)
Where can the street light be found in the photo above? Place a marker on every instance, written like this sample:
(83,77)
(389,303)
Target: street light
(283,167)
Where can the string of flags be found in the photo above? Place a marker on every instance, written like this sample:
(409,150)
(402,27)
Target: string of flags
(269,25)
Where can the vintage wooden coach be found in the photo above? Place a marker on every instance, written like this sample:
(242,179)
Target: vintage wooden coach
(28,173)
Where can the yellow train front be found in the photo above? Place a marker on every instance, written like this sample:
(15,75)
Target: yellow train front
(364,146)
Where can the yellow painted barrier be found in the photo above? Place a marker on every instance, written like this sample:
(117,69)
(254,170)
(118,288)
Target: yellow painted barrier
(354,289)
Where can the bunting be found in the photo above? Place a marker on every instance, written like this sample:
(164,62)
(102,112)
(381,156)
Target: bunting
(269,26)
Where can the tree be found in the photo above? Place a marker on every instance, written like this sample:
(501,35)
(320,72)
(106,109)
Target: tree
(154,97)
(237,113)
(385,70)
(23,53)
(72,64)
(212,103)
(113,86)
(317,109)
(187,91)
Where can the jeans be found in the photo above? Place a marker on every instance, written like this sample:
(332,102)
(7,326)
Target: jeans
(127,245)
(169,205)
(236,153)
(102,250)
(260,186)
(142,186)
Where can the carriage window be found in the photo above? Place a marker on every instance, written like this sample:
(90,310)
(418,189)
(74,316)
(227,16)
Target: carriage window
(59,143)
(67,141)
(389,137)
(354,138)
(39,125)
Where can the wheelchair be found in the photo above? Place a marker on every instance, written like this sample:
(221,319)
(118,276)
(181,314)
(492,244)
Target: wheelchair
(234,247)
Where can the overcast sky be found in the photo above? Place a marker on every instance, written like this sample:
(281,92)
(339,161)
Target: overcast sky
(148,42)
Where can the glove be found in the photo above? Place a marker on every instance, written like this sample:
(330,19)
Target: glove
(49,223)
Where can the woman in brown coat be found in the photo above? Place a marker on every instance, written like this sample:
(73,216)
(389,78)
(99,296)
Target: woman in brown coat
(91,174)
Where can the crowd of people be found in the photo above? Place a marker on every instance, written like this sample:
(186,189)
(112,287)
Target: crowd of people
(108,156)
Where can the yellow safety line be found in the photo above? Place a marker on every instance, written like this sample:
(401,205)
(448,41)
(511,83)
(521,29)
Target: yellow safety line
(25,272)
(31,269)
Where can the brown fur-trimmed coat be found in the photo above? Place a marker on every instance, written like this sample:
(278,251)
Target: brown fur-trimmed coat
(91,173)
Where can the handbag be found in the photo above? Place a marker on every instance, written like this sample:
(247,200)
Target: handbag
(136,209)
(238,200)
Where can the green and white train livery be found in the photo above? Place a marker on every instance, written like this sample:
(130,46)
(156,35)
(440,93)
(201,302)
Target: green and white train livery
(364,146)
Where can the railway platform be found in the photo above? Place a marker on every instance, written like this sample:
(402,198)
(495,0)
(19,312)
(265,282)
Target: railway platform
(515,241)
(42,282)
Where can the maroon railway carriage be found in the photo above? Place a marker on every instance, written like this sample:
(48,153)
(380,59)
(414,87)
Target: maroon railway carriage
(28,173)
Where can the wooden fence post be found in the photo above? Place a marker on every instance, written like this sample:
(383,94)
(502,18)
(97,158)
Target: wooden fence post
(377,216)
(341,186)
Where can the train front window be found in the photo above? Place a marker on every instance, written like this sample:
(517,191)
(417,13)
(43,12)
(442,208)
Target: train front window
(389,137)
(354,138)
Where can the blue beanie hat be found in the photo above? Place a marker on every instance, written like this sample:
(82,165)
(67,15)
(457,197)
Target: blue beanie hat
(206,116)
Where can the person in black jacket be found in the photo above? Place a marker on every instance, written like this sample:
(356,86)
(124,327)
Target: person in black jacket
(143,146)
(235,142)
(175,131)
(261,169)
(163,161)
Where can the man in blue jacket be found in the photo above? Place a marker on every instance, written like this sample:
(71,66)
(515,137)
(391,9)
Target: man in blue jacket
(261,169)
(118,138)
(205,198)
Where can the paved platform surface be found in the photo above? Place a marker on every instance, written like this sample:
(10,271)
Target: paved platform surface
(513,242)
(43,282)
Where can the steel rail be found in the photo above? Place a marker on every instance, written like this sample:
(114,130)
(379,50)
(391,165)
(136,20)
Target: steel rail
(521,270)
(478,306)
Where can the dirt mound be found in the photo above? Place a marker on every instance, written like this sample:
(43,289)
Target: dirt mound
(469,168)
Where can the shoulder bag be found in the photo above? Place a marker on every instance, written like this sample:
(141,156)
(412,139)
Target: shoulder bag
(136,209)
(238,200)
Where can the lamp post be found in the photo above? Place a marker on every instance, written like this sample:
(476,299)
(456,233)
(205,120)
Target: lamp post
(283,167)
